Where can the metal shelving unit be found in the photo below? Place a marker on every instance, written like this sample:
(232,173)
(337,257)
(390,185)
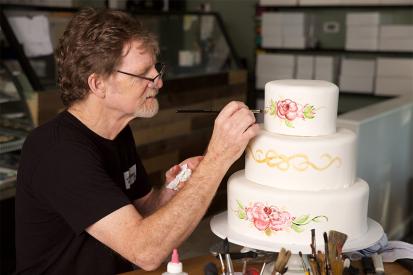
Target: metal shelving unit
(339,52)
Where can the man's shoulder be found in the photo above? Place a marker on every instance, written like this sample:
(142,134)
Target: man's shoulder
(54,133)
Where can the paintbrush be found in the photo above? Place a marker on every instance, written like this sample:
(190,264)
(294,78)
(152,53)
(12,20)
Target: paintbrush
(337,266)
(313,250)
(222,264)
(327,253)
(346,267)
(262,268)
(198,111)
(337,239)
(281,262)
(305,268)
(321,261)
(313,265)
(313,244)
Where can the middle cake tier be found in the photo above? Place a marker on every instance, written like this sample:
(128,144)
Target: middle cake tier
(302,163)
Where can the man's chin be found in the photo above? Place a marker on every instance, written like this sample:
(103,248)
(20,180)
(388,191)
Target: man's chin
(147,113)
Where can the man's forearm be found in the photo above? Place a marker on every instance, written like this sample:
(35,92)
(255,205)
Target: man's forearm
(156,199)
(176,220)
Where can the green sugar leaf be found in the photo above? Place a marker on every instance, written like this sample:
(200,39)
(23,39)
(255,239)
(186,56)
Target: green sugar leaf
(297,228)
(320,219)
(304,219)
(288,123)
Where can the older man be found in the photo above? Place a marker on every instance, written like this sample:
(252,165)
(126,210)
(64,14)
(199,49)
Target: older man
(83,202)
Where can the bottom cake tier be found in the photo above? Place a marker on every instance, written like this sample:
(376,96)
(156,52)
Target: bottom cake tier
(287,216)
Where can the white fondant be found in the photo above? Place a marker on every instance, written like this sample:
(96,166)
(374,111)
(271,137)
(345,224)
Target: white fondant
(302,163)
(321,96)
(346,210)
(219,226)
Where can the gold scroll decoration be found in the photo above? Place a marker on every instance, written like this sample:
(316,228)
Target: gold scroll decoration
(299,162)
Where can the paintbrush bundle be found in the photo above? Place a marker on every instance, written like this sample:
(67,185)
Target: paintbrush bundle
(331,261)
(281,262)
(336,242)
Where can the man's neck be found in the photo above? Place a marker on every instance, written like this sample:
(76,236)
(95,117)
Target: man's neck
(106,123)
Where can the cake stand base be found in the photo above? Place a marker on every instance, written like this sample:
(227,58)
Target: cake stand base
(219,226)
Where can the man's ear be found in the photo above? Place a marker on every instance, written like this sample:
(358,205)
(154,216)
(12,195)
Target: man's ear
(96,85)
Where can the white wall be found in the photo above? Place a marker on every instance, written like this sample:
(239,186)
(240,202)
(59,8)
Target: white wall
(385,133)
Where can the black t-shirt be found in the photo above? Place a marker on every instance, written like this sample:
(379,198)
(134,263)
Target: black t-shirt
(69,178)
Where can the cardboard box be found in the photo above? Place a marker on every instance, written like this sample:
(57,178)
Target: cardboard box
(296,30)
(305,61)
(271,18)
(395,2)
(396,31)
(325,76)
(272,42)
(358,67)
(278,2)
(394,86)
(364,31)
(399,67)
(271,60)
(272,31)
(304,75)
(362,44)
(262,79)
(318,2)
(294,42)
(293,18)
(305,67)
(356,84)
(359,2)
(324,61)
(396,44)
(363,18)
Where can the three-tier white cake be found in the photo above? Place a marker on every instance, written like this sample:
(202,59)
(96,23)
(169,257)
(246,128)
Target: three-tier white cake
(300,171)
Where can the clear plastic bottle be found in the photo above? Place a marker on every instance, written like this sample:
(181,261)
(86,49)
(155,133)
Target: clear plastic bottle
(174,266)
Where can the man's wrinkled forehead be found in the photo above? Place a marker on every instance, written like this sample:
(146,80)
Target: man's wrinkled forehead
(139,46)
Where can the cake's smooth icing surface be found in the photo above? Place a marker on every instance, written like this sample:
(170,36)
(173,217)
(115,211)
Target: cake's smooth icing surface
(285,216)
(301,107)
(302,163)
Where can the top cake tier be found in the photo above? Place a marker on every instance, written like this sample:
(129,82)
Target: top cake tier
(301,107)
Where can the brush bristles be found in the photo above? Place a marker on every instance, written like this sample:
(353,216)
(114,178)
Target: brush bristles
(282,260)
(337,238)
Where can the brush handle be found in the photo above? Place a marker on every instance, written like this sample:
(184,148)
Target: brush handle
(239,255)
(195,111)
(368,266)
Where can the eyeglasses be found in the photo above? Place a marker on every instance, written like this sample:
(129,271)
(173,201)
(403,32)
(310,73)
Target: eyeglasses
(160,68)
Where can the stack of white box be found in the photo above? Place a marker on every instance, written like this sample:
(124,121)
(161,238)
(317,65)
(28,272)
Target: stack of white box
(394,76)
(284,30)
(318,2)
(396,38)
(339,2)
(362,31)
(395,2)
(305,67)
(272,67)
(278,2)
(295,28)
(325,68)
(357,75)
(271,30)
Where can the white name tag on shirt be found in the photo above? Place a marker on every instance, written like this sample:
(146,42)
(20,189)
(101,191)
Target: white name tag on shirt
(130,176)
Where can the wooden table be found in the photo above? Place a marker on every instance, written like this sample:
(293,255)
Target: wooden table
(195,266)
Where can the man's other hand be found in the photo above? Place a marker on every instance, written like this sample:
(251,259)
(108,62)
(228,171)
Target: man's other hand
(174,170)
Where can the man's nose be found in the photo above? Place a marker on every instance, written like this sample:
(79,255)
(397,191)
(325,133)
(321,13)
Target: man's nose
(157,84)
